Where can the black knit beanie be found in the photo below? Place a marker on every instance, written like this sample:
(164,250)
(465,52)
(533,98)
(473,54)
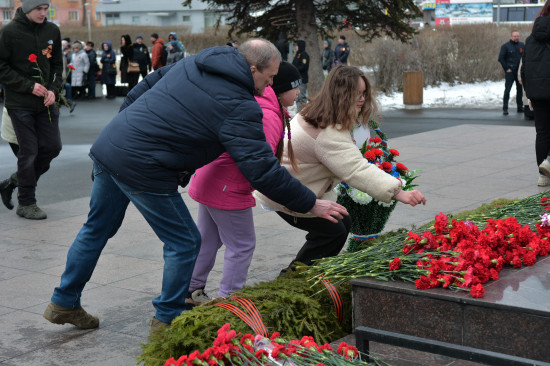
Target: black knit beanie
(287,78)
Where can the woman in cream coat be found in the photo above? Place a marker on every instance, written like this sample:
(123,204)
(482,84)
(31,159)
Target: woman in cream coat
(326,155)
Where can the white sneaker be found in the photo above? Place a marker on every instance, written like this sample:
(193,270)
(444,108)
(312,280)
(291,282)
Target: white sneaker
(544,168)
(543,181)
(199,297)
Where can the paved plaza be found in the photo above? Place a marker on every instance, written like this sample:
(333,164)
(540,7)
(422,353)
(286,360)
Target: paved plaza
(462,166)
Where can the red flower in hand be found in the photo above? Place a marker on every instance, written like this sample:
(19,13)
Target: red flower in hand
(401,167)
(71,67)
(394,152)
(32,57)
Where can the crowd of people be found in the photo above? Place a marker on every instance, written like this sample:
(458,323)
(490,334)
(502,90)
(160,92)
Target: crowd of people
(228,136)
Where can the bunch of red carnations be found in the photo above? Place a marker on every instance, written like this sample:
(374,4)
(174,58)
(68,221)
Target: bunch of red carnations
(459,255)
(231,348)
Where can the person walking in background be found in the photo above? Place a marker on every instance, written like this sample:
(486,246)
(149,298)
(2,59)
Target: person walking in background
(174,37)
(157,52)
(327,56)
(301,62)
(31,68)
(67,56)
(7,186)
(509,57)
(341,52)
(146,151)
(126,50)
(327,155)
(175,53)
(225,196)
(108,68)
(140,54)
(94,68)
(535,74)
(81,66)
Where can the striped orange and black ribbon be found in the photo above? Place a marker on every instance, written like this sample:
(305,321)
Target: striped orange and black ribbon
(336,299)
(251,316)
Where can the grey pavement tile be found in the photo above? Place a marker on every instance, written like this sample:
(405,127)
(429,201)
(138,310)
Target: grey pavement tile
(149,283)
(35,258)
(4,310)
(112,268)
(27,290)
(92,348)
(7,272)
(23,332)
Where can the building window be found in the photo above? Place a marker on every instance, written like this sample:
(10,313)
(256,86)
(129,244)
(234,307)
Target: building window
(210,19)
(112,18)
(73,15)
(97,15)
(186,18)
(135,20)
(6,14)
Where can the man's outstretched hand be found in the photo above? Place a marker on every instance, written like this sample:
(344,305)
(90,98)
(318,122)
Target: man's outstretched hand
(329,210)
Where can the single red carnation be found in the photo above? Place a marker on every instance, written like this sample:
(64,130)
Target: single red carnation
(401,167)
(71,67)
(376,139)
(370,156)
(477,291)
(387,167)
(32,57)
(394,152)
(395,264)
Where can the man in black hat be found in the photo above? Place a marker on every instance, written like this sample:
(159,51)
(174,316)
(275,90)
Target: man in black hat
(31,68)
(341,52)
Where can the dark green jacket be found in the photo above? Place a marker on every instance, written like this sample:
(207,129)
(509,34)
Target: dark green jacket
(18,40)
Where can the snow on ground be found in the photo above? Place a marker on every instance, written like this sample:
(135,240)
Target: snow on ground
(484,95)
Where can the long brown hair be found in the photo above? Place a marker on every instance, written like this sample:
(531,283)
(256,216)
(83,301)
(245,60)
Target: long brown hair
(281,145)
(335,103)
(545,11)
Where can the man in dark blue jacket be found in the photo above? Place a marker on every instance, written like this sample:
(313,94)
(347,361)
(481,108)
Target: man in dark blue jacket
(341,52)
(509,57)
(146,150)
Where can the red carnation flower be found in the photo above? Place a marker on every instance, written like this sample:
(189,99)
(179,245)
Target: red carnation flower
(394,152)
(32,57)
(387,167)
(377,152)
(71,67)
(370,156)
(477,291)
(395,264)
(402,167)
(376,139)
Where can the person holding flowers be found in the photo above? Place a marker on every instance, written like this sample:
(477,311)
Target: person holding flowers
(31,68)
(326,155)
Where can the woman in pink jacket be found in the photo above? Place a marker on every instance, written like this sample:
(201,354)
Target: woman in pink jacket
(226,201)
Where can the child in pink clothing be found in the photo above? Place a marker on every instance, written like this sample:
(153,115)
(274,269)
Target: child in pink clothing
(225,196)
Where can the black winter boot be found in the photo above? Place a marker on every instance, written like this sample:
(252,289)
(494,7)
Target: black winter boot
(6,190)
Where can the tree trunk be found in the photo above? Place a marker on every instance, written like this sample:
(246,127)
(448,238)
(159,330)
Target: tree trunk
(307,31)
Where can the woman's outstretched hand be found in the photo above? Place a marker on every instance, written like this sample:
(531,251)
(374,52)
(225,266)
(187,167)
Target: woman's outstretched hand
(329,210)
(412,198)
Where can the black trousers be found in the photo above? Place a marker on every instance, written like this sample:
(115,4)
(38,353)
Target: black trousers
(39,143)
(510,79)
(323,238)
(542,126)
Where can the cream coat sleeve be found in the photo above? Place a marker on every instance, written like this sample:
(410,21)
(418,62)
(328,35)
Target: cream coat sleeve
(337,152)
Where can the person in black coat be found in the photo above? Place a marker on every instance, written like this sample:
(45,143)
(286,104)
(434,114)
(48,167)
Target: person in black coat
(341,51)
(139,54)
(126,51)
(94,68)
(535,74)
(108,68)
(301,61)
(509,57)
(147,150)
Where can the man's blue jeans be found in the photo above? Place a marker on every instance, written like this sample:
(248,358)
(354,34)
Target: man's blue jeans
(169,218)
